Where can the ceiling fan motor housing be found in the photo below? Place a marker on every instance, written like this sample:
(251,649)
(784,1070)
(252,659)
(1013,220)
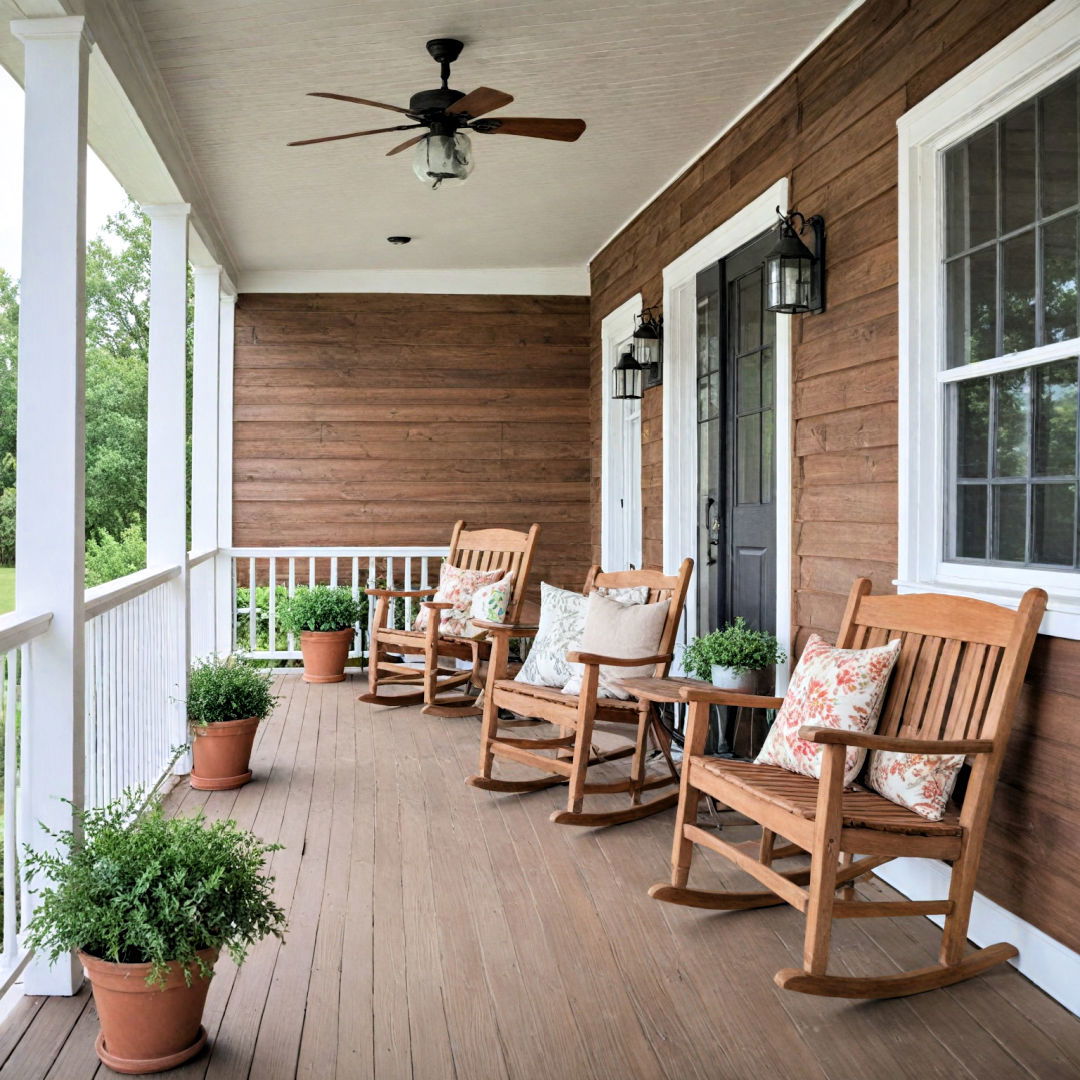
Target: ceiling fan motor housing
(433,100)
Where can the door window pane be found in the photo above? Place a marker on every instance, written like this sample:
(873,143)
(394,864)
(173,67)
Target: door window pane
(748,374)
(1010,428)
(1010,522)
(971,521)
(1018,299)
(1055,419)
(750,312)
(1059,279)
(973,428)
(1053,523)
(748,459)
(1058,148)
(768,447)
(972,308)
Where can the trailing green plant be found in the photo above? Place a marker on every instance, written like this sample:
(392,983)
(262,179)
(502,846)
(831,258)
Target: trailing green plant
(133,886)
(227,689)
(319,608)
(734,646)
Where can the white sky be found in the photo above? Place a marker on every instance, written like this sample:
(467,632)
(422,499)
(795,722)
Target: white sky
(104,196)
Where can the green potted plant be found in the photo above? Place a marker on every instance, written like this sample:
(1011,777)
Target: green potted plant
(733,657)
(325,617)
(149,901)
(226,699)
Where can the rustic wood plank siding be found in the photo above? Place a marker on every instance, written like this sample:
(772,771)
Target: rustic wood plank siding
(830,127)
(368,419)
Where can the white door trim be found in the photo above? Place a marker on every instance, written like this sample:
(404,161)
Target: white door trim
(620,454)
(680,405)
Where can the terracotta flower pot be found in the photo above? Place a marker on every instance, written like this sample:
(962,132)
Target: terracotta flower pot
(221,753)
(325,653)
(144,1028)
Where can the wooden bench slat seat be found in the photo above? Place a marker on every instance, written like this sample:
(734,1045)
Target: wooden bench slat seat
(859,808)
(551,693)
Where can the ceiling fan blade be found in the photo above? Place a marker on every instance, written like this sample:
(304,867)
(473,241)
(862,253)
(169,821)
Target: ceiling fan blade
(482,100)
(354,134)
(360,101)
(535,127)
(405,145)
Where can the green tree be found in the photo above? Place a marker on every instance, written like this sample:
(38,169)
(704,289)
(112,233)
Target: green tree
(117,352)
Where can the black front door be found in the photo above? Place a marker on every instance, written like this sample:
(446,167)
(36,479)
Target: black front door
(736,442)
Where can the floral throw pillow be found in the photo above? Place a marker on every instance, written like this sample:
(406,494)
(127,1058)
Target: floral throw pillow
(457,587)
(562,624)
(491,603)
(921,782)
(830,687)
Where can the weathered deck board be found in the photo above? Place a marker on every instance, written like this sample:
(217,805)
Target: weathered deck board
(437,931)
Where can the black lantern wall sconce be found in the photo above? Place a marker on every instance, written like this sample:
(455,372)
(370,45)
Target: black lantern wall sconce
(795,275)
(626,376)
(649,346)
(641,365)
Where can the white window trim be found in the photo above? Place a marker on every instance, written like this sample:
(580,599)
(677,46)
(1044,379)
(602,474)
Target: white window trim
(680,407)
(1043,50)
(620,455)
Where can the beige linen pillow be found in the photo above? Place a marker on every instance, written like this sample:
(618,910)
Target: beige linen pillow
(619,630)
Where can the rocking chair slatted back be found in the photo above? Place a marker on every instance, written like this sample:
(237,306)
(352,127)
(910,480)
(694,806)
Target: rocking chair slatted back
(670,587)
(496,549)
(949,681)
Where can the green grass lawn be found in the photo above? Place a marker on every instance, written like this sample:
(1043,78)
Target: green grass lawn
(7,589)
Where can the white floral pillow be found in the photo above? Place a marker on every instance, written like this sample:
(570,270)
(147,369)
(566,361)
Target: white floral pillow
(921,782)
(830,687)
(456,587)
(491,603)
(562,623)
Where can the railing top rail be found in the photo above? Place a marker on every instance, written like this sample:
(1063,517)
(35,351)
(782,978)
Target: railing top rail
(17,628)
(102,598)
(334,552)
(195,558)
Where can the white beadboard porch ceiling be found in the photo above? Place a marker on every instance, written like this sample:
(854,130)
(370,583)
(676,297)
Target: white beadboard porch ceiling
(656,83)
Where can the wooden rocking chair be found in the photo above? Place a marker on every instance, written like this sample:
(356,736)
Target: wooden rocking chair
(578,716)
(482,549)
(953,691)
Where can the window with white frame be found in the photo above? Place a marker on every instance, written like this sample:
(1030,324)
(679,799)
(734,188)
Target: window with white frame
(1010,269)
(989,233)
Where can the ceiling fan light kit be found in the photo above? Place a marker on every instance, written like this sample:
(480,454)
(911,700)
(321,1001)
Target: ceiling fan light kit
(444,151)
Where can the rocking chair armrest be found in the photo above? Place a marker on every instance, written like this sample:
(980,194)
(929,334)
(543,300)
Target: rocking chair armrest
(436,605)
(594,659)
(834,736)
(715,696)
(512,629)
(398,592)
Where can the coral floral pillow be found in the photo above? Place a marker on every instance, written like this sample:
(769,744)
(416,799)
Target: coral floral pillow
(830,687)
(457,587)
(921,782)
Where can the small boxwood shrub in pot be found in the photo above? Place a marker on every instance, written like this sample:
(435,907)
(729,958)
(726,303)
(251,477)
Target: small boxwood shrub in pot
(149,901)
(225,702)
(325,617)
(733,657)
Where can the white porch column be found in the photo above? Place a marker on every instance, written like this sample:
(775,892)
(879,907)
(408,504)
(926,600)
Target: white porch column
(166,450)
(225,599)
(50,483)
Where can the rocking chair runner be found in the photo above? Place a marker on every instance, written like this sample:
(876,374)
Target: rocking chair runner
(482,549)
(953,691)
(578,716)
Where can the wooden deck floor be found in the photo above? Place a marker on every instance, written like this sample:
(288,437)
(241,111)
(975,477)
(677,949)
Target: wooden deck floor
(437,931)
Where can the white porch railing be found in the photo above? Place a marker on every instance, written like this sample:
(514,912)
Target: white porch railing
(131,684)
(17,636)
(277,572)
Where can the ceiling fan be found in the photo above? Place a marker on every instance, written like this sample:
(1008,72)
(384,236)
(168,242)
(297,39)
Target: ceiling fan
(444,151)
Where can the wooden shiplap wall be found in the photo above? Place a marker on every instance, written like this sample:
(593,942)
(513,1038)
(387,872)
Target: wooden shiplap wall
(830,127)
(379,419)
